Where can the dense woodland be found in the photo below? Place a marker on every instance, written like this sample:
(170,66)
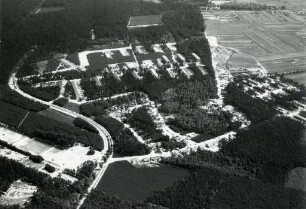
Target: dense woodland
(99,200)
(61,101)
(212,189)
(80,123)
(100,107)
(248,172)
(52,193)
(274,147)
(45,93)
(12,97)
(255,109)
(125,143)
(184,22)
(68,30)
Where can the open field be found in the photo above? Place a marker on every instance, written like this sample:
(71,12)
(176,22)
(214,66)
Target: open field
(67,158)
(73,107)
(284,65)
(51,113)
(124,180)
(242,61)
(292,4)
(266,35)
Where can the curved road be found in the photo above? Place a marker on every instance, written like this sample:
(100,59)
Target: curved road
(107,140)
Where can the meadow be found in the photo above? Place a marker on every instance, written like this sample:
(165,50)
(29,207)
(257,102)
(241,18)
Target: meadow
(127,182)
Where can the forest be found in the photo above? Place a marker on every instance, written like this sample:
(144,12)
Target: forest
(212,189)
(80,123)
(273,146)
(61,101)
(12,97)
(100,107)
(200,46)
(59,133)
(48,93)
(99,200)
(125,143)
(255,109)
(52,193)
(24,31)
(184,22)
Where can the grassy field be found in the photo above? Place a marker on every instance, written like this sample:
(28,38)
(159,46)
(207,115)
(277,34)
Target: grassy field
(51,113)
(261,34)
(242,61)
(124,180)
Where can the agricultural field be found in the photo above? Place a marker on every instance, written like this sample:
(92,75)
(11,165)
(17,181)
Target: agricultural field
(292,4)
(275,38)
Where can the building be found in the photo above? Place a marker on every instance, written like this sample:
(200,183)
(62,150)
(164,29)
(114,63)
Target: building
(144,21)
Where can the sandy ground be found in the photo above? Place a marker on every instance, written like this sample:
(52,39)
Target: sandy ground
(18,193)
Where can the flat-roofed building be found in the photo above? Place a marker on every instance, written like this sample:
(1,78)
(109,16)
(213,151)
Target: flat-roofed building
(196,57)
(144,21)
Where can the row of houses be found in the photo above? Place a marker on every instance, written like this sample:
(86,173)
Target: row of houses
(156,63)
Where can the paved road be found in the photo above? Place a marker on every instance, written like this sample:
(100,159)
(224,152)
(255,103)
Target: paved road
(107,140)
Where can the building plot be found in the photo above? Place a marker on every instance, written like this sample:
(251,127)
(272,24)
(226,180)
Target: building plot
(19,193)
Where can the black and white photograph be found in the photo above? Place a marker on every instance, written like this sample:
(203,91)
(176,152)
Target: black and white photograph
(152,104)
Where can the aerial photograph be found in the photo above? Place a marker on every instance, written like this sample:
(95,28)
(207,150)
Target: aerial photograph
(153,104)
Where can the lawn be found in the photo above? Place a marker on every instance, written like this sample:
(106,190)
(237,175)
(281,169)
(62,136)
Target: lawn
(124,180)
(51,113)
